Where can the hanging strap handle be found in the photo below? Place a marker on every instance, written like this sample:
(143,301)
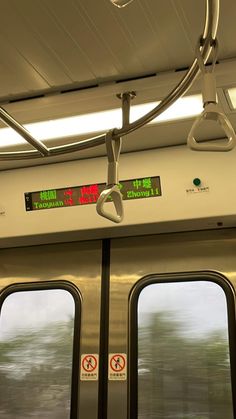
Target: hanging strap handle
(211,110)
(113,146)
(112,191)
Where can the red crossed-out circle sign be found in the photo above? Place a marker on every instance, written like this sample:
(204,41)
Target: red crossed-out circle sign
(89,363)
(117,363)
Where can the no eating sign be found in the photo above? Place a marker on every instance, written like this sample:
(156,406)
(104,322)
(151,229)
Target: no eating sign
(89,367)
(117,367)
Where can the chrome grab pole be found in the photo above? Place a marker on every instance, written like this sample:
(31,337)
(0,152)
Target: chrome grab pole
(209,34)
(12,123)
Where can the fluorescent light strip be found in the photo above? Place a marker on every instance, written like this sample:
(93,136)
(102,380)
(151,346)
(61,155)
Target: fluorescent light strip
(186,107)
(231,95)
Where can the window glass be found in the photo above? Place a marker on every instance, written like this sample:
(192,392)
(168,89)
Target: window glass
(36,345)
(183,352)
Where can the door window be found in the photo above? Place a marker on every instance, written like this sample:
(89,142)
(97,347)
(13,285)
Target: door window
(36,349)
(183,352)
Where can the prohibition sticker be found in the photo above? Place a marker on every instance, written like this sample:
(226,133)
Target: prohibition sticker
(89,367)
(117,370)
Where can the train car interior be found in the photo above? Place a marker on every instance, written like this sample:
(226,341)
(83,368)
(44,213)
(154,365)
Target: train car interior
(118,209)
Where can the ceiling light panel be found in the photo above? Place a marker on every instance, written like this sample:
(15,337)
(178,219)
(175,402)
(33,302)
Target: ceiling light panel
(100,122)
(231,97)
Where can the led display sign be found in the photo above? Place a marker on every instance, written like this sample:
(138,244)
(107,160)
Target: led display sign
(148,187)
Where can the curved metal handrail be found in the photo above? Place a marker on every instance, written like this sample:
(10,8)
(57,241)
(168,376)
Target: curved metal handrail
(209,34)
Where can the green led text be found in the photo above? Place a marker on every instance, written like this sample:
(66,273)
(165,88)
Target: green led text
(47,205)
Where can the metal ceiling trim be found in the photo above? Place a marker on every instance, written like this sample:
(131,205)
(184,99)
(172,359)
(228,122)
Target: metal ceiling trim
(209,34)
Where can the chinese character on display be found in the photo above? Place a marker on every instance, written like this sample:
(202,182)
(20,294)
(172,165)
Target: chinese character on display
(84,190)
(94,190)
(47,195)
(90,190)
(68,192)
(52,194)
(137,183)
(147,183)
(44,195)
(89,194)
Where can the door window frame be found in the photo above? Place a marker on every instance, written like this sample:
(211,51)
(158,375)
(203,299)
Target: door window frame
(209,276)
(75,293)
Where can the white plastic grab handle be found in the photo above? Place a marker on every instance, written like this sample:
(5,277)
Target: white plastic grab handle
(115,194)
(214,114)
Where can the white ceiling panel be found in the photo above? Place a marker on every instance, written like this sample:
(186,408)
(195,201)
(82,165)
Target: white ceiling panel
(56,44)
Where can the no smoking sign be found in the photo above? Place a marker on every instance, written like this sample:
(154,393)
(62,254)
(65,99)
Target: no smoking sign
(117,367)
